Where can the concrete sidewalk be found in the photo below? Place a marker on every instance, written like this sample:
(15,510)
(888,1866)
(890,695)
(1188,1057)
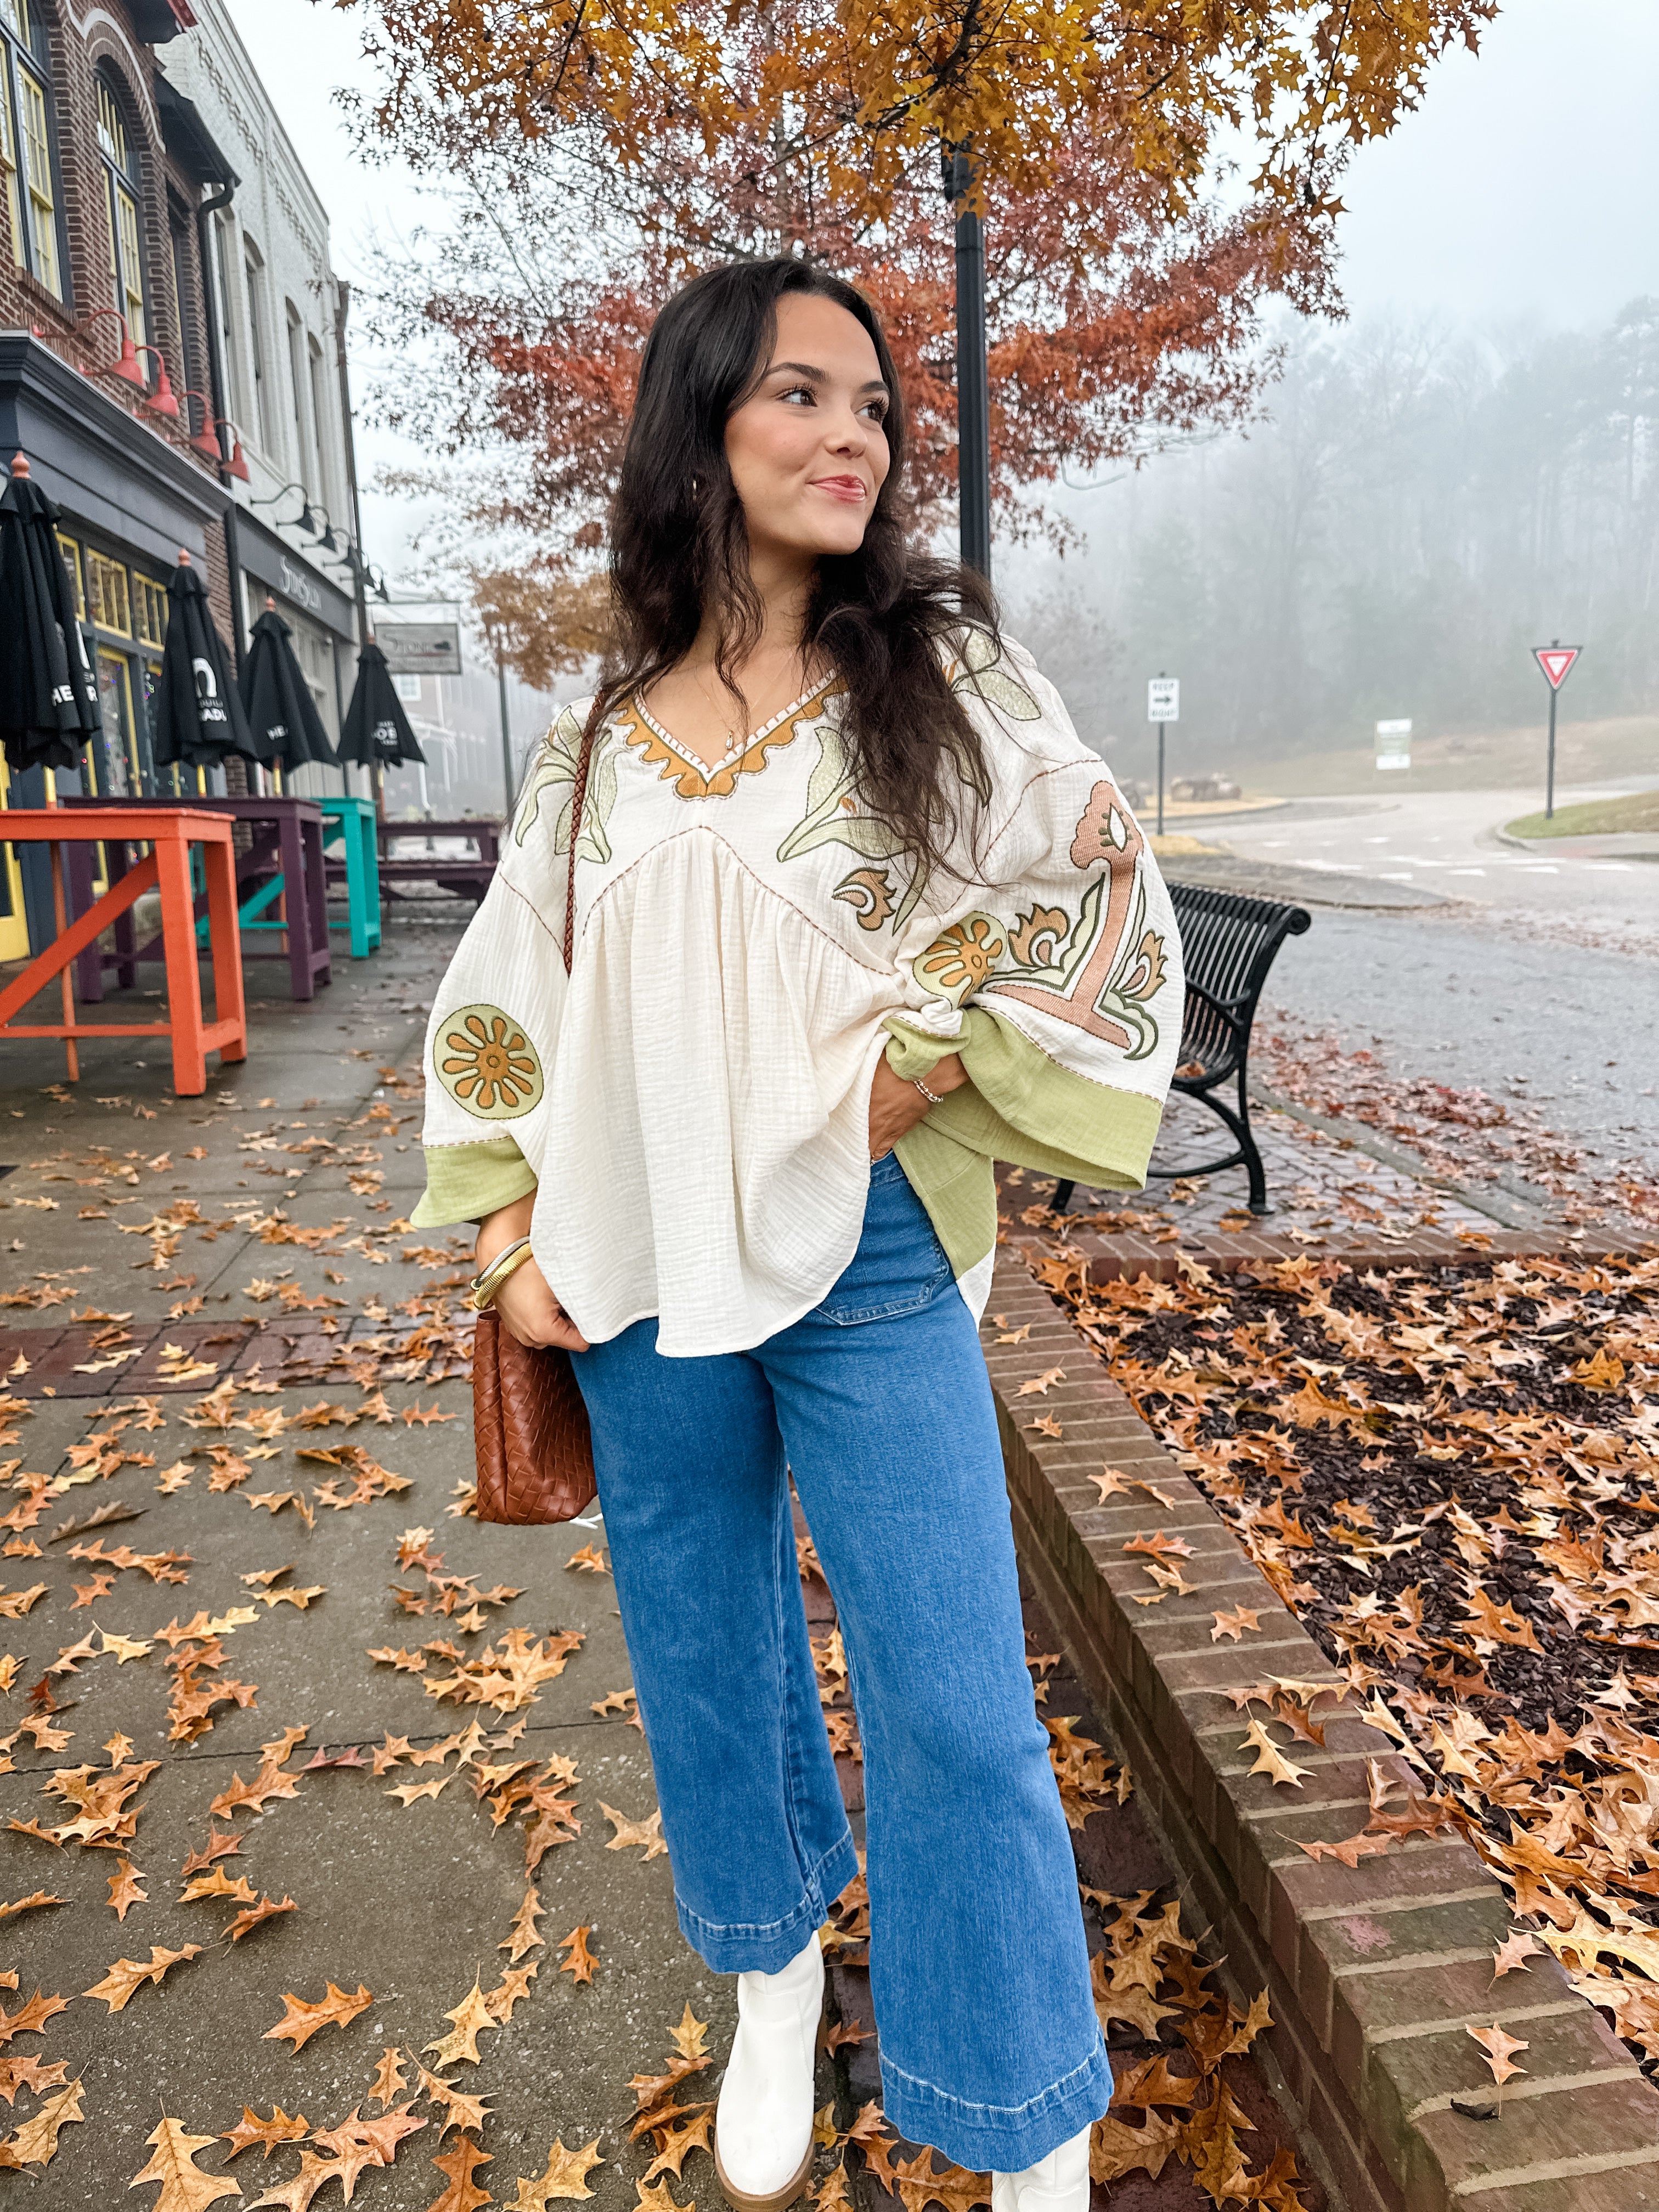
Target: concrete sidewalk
(410,1901)
(219,1338)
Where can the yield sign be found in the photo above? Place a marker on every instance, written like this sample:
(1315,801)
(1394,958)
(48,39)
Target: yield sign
(1555,660)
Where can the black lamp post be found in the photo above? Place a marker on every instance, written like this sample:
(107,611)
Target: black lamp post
(973,387)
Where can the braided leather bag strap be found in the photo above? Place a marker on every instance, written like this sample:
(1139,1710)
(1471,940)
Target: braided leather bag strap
(579,800)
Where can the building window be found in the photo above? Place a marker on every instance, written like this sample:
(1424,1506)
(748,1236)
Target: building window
(71,553)
(319,416)
(150,601)
(229,352)
(26,147)
(128,612)
(296,376)
(107,593)
(255,269)
(126,260)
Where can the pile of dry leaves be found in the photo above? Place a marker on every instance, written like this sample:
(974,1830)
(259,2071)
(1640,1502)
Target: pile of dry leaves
(1450,1476)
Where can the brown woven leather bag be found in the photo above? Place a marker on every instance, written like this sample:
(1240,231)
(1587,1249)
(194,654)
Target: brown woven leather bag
(535,1451)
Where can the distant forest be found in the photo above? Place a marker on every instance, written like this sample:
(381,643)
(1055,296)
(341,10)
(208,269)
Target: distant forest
(1418,510)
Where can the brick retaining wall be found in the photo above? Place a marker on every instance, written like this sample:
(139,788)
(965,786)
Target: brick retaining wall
(1374,1971)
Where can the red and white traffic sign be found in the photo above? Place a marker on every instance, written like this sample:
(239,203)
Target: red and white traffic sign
(1555,660)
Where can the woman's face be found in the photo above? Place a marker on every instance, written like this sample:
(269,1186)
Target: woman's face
(807,450)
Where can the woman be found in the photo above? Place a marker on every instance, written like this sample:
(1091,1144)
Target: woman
(856,914)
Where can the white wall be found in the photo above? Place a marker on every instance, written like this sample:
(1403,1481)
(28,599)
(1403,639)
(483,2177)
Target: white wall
(276,224)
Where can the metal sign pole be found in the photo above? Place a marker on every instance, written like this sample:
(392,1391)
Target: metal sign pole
(507,735)
(1556,662)
(1163,707)
(973,389)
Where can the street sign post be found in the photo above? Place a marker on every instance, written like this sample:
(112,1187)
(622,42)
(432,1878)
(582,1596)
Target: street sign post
(1555,659)
(431,648)
(1394,744)
(1163,705)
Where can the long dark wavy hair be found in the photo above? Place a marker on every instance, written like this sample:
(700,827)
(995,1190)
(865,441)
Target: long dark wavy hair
(678,543)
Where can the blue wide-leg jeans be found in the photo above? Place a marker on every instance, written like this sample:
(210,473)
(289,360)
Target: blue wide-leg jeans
(879,1404)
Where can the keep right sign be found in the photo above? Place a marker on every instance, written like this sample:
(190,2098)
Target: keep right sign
(1555,660)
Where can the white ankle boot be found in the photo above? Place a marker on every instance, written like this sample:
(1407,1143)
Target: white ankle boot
(763,2119)
(1059,2183)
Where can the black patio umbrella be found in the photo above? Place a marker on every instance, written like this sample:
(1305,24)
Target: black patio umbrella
(48,692)
(198,711)
(377,732)
(280,712)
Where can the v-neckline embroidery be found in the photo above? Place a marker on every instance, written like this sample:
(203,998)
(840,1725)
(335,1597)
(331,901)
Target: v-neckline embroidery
(709,769)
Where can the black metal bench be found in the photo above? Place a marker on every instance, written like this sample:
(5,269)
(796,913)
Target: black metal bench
(1228,943)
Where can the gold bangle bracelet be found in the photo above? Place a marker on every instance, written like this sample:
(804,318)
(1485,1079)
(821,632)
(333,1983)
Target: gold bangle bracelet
(488,1282)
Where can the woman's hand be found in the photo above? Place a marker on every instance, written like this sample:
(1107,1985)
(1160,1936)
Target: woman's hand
(896,1105)
(527,1307)
(530,1311)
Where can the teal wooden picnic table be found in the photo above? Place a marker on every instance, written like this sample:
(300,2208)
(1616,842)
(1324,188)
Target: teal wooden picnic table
(350,824)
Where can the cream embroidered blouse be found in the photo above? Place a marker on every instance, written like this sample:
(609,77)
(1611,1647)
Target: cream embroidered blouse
(693,1101)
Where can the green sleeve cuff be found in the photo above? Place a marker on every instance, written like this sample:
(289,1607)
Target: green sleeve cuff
(464,1183)
(1020,1106)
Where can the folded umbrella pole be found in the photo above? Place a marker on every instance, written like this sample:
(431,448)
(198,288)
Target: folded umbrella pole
(377,734)
(199,717)
(282,715)
(48,692)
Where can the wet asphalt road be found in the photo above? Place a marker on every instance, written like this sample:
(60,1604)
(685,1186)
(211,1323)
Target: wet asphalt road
(1573,1030)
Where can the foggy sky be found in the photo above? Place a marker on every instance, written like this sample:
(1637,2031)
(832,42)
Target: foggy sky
(1527,187)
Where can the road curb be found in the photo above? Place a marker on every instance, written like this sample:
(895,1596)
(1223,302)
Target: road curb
(1373,1971)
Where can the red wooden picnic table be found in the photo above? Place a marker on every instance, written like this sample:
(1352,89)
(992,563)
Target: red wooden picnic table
(170,831)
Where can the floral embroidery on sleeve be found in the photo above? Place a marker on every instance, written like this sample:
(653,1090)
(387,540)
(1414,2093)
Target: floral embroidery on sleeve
(487,1064)
(1097,970)
(960,959)
(554,769)
(869,892)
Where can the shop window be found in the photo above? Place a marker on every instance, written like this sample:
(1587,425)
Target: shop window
(106,594)
(14,922)
(316,657)
(126,261)
(26,147)
(71,553)
(149,609)
(115,760)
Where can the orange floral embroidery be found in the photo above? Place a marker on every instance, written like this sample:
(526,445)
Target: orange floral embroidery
(691,781)
(961,958)
(486,1063)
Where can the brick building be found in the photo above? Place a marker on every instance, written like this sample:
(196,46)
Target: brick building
(171,356)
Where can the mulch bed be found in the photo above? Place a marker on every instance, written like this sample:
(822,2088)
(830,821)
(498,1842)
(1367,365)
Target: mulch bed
(1452,1476)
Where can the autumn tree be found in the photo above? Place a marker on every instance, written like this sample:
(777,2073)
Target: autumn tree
(1150,180)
